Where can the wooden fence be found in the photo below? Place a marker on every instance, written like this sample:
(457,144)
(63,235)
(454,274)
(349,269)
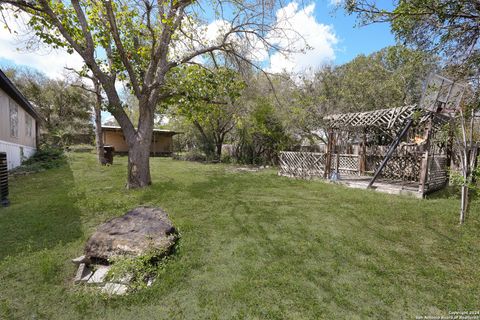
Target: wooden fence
(312,164)
(302,164)
(309,165)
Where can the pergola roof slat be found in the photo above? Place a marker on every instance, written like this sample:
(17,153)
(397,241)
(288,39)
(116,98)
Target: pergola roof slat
(389,119)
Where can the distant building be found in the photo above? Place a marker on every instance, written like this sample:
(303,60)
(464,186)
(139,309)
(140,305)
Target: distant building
(19,124)
(162,140)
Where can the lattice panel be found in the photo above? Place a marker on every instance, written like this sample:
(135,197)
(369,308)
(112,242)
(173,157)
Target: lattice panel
(437,173)
(348,164)
(302,164)
(405,168)
(309,164)
(383,118)
(392,119)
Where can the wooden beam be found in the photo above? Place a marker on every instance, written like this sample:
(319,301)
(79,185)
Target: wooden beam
(328,155)
(363,154)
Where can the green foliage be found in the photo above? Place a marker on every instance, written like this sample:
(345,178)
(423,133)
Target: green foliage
(191,155)
(447,26)
(261,135)
(46,157)
(208,100)
(392,77)
(198,92)
(457,179)
(49,265)
(226,158)
(65,109)
(138,270)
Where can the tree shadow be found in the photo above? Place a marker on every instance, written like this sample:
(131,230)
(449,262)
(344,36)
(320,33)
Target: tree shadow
(42,214)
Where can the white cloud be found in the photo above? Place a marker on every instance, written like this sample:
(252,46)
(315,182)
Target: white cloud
(314,45)
(49,61)
(297,23)
(307,43)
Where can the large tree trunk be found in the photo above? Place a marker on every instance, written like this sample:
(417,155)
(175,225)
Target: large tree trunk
(98,125)
(99,136)
(139,148)
(219,150)
(139,164)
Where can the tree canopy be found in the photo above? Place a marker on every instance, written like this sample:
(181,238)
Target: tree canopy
(65,108)
(443,26)
(139,42)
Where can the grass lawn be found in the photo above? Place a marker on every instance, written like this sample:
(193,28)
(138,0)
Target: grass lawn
(254,245)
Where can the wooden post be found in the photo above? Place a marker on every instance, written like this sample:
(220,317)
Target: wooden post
(425,158)
(328,154)
(337,163)
(449,150)
(363,155)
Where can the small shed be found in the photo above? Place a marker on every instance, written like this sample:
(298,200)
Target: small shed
(162,141)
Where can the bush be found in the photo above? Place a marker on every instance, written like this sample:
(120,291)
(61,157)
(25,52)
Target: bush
(45,158)
(192,155)
(226,158)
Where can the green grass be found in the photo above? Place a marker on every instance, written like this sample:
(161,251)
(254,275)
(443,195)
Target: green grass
(254,245)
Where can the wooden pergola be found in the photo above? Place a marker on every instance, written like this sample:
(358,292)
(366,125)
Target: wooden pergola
(419,163)
(405,146)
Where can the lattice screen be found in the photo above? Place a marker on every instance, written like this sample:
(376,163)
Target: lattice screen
(302,164)
(310,164)
(437,173)
(405,168)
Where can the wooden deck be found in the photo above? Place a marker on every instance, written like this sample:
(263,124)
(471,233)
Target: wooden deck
(381,185)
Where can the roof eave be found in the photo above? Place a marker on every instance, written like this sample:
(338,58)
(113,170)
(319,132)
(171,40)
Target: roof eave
(9,88)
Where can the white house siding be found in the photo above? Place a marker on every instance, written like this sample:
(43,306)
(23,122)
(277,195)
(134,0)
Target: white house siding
(15,153)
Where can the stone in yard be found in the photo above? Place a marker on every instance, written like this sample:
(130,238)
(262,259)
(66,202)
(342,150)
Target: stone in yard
(83,273)
(149,282)
(133,234)
(99,274)
(114,288)
(80,260)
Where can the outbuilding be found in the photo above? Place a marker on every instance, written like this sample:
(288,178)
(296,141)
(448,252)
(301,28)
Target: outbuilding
(162,141)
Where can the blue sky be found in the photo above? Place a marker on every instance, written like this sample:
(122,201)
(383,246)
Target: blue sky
(334,34)
(353,40)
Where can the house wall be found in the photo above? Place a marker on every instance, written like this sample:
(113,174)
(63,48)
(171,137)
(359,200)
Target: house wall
(161,143)
(115,139)
(20,147)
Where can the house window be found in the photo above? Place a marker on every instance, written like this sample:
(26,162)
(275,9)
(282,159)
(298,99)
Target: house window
(13,119)
(28,125)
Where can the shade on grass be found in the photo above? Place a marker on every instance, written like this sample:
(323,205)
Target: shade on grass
(254,245)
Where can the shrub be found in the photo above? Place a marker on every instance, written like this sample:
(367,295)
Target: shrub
(192,155)
(46,157)
(226,158)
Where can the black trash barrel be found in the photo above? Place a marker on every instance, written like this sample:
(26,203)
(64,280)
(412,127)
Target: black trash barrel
(108,154)
(3,180)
